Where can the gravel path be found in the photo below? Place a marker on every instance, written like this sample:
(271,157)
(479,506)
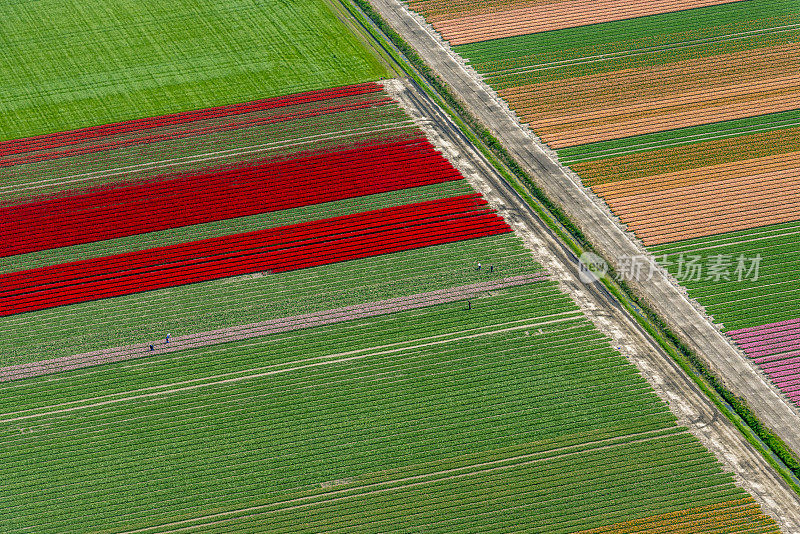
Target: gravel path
(284,324)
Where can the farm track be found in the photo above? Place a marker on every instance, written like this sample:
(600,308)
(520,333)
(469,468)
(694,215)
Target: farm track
(687,401)
(241,332)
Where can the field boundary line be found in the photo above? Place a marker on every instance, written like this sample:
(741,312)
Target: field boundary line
(272,326)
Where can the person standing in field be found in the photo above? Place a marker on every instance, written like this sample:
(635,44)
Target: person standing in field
(168,338)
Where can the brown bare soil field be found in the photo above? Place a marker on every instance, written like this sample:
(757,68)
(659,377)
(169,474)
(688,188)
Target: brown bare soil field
(711,519)
(476,27)
(748,168)
(711,207)
(686,157)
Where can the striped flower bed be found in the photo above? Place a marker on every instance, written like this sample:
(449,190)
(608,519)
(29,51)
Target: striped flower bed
(776,349)
(169,202)
(280,249)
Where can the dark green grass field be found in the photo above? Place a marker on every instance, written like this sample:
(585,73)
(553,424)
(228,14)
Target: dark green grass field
(71,64)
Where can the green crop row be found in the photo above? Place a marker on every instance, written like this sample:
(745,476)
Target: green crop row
(517,71)
(735,303)
(631,34)
(772,234)
(531,304)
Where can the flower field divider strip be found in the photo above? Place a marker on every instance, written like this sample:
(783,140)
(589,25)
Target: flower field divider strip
(75,136)
(238,243)
(216,248)
(243,243)
(113,288)
(204,273)
(207,209)
(206,130)
(238,263)
(186,275)
(262,259)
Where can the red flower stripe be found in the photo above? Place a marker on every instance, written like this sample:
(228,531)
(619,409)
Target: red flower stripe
(280,249)
(218,247)
(221,194)
(291,259)
(50,141)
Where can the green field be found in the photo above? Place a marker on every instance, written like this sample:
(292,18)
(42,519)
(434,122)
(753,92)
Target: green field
(88,63)
(773,297)
(510,413)
(514,415)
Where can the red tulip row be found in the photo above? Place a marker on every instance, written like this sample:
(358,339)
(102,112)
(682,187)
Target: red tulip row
(60,139)
(111,212)
(278,249)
